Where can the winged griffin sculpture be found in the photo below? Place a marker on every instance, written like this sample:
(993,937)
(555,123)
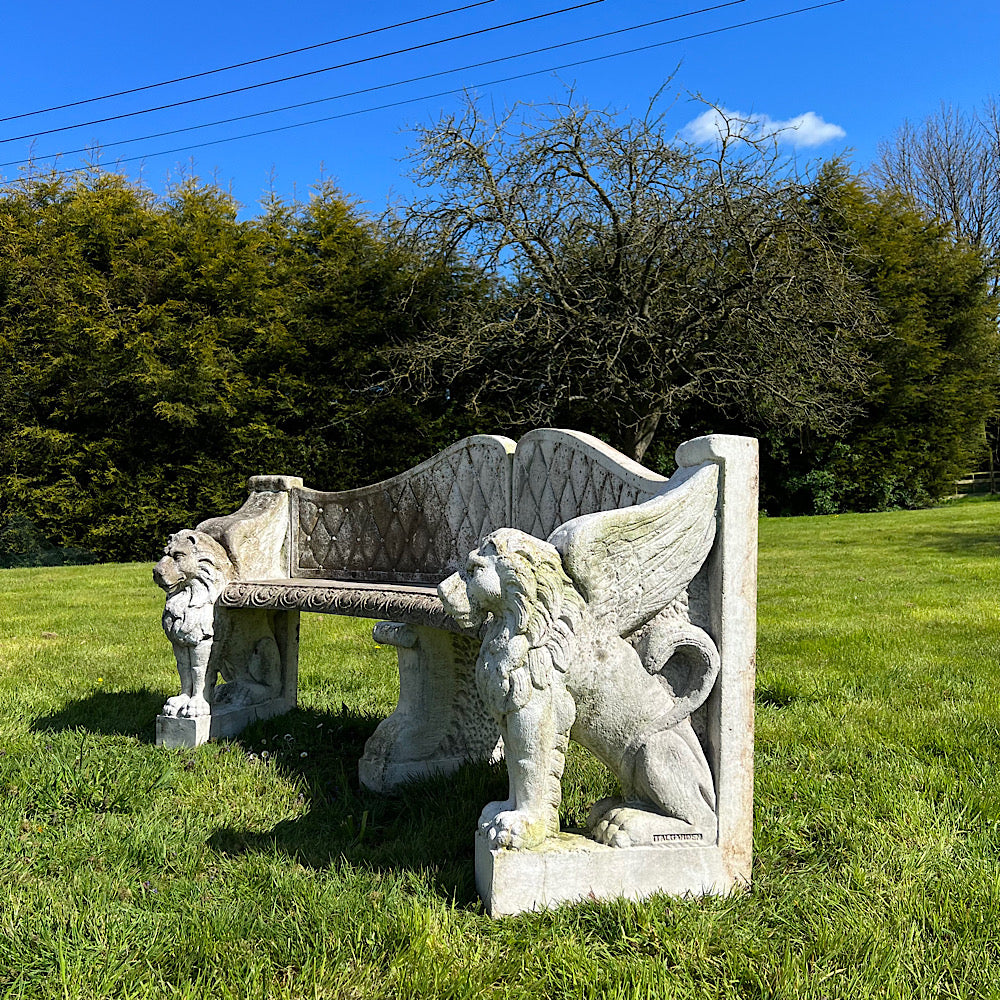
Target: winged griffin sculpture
(587,636)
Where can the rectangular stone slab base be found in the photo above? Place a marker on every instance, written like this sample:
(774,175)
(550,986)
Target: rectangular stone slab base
(571,867)
(171,732)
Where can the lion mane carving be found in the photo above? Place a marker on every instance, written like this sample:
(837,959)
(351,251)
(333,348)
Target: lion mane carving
(553,665)
(194,571)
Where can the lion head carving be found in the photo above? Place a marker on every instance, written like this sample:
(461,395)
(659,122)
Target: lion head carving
(515,584)
(511,574)
(194,571)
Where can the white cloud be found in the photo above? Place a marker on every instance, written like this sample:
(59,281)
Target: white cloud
(802,132)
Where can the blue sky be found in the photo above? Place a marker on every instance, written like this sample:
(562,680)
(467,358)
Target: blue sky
(847,74)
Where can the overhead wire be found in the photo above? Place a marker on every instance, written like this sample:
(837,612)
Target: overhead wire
(248,62)
(313,72)
(458,90)
(384,86)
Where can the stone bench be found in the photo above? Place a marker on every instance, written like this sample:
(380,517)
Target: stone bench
(236,586)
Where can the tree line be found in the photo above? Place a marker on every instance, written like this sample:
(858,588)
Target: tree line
(154,353)
(562,266)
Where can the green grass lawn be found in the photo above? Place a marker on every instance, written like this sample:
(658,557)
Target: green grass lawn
(258,868)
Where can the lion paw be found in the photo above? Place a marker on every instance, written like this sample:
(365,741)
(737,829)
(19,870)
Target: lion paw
(515,829)
(491,811)
(196,706)
(622,824)
(174,705)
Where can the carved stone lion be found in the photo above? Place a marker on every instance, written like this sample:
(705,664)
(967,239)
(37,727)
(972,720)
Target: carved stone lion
(550,668)
(207,640)
(194,571)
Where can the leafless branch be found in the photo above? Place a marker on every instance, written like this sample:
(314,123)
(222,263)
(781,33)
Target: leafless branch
(632,270)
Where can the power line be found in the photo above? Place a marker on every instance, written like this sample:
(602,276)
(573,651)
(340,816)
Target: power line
(313,72)
(384,86)
(457,90)
(248,62)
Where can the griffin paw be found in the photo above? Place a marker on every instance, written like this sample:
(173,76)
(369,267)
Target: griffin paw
(622,824)
(515,829)
(196,706)
(174,705)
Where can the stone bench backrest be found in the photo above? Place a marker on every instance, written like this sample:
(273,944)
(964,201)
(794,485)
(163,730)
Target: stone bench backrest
(559,475)
(413,527)
(419,526)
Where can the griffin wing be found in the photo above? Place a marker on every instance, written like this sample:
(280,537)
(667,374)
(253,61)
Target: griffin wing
(630,563)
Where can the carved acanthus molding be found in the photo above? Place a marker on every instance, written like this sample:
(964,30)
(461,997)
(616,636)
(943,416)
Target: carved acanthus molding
(414,606)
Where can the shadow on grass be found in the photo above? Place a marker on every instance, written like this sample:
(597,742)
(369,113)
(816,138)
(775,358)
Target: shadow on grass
(426,826)
(965,540)
(775,696)
(110,713)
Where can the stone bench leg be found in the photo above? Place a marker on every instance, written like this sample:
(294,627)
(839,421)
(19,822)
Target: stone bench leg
(440,721)
(256,652)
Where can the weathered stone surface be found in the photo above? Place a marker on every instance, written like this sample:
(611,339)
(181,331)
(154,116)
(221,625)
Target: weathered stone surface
(440,721)
(193,572)
(413,528)
(221,723)
(254,654)
(256,536)
(376,552)
(633,632)
(554,664)
(417,604)
(630,631)
(726,592)
(559,475)
(571,867)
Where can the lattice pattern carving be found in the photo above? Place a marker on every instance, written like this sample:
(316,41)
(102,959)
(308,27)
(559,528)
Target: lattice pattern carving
(417,526)
(559,476)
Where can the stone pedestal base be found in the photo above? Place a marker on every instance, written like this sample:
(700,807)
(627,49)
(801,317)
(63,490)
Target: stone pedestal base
(224,722)
(440,721)
(571,867)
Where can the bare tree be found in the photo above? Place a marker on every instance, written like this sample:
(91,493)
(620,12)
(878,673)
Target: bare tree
(630,274)
(950,164)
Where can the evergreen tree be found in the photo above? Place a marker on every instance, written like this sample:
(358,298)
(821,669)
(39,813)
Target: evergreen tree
(935,367)
(153,354)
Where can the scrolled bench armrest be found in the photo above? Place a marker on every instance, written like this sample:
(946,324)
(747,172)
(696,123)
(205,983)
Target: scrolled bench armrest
(258,535)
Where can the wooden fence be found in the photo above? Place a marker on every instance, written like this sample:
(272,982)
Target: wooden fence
(978,482)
